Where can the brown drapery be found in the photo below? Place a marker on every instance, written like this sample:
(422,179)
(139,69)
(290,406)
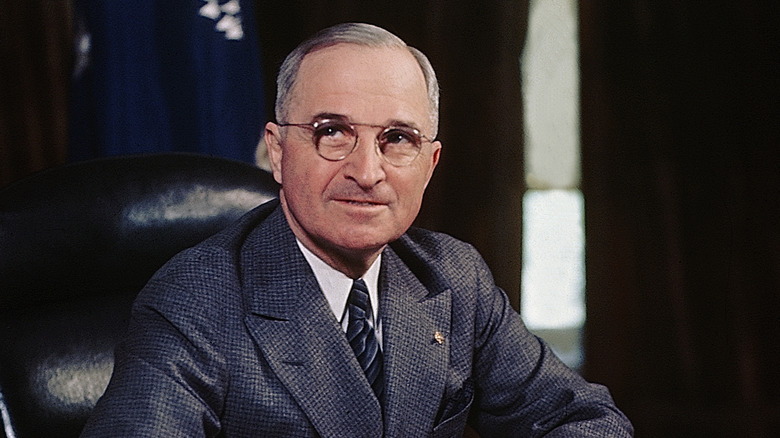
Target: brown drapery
(681,183)
(35,47)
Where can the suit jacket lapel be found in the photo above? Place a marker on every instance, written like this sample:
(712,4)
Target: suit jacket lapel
(416,328)
(304,345)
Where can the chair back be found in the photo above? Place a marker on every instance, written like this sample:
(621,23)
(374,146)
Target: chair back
(77,243)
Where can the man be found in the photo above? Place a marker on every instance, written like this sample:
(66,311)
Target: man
(323,314)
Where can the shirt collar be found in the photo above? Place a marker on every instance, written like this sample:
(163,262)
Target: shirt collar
(336,285)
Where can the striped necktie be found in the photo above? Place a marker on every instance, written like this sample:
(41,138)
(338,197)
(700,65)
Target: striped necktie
(362,339)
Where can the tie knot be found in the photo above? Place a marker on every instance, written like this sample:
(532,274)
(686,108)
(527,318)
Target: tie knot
(359,298)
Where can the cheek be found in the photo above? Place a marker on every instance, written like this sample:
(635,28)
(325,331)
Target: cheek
(295,167)
(411,195)
(306,179)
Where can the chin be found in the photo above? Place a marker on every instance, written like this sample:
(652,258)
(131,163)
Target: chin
(352,241)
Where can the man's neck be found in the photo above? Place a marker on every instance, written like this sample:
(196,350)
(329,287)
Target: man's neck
(352,265)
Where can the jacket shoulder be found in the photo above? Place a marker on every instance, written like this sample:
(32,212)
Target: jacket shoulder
(222,249)
(438,258)
(434,245)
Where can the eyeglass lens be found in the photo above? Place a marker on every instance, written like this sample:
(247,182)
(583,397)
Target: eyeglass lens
(336,139)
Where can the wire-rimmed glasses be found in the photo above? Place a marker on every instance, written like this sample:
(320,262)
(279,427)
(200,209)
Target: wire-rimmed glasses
(335,139)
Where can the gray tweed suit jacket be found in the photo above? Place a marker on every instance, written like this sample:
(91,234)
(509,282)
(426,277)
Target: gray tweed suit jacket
(234,338)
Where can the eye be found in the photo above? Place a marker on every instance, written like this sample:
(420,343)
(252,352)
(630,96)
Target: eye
(399,137)
(331,130)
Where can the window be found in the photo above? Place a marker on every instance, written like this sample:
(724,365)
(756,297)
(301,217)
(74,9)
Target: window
(552,298)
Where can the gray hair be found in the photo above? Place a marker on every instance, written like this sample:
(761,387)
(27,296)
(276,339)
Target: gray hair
(350,33)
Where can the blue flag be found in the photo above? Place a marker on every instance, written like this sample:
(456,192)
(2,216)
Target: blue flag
(156,76)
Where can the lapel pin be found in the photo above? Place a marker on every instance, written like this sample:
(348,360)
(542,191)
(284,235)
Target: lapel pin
(438,337)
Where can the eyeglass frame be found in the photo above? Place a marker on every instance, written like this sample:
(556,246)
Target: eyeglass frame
(312,126)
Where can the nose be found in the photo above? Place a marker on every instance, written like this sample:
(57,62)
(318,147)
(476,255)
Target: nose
(364,165)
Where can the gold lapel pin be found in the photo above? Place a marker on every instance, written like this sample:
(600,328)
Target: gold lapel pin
(438,337)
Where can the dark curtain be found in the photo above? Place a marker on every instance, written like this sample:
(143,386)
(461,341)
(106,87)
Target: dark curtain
(35,48)
(681,182)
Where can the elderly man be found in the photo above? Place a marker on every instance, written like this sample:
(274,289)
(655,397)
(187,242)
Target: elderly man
(323,313)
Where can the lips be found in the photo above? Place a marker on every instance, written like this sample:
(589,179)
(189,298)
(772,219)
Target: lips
(360,198)
(361,202)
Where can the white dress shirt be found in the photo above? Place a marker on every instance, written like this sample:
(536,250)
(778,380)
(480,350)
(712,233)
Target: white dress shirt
(336,287)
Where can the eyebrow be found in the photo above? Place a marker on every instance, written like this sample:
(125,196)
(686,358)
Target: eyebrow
(342,117)
(331,116)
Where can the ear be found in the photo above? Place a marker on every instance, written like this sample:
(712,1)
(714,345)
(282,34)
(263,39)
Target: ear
(273,143)
(435,155)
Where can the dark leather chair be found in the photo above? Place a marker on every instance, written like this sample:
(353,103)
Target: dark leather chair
(76,245)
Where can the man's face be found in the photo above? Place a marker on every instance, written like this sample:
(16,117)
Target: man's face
(350,209)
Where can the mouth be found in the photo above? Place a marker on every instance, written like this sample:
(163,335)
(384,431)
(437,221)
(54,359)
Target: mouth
(361,202)
(365,202)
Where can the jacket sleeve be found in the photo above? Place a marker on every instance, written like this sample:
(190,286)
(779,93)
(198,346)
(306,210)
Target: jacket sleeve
(168,377)
(522,389)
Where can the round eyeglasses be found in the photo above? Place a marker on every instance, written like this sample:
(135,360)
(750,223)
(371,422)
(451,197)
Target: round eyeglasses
(335,139)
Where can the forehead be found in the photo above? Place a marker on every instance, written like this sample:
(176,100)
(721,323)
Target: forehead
(365,84)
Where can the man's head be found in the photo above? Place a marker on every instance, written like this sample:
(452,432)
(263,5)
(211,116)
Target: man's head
(350,33)
(345,204)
